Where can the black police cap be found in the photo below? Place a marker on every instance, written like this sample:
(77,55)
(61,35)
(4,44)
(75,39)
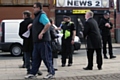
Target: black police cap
(106,13)
(65,16)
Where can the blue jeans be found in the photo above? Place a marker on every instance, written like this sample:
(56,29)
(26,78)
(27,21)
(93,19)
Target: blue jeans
(42,51)
(27,56)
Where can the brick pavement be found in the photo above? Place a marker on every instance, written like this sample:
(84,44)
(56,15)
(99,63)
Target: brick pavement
(115,76)
(111,69)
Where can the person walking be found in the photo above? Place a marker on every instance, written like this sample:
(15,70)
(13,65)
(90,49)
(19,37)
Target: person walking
(27,41)
(105,26)
(41,40)
(92,34)
(69,32)
(54,42)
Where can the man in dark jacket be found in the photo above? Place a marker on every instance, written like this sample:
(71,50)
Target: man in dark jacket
(92,34)
(27,41)
(41,40)
(105,25)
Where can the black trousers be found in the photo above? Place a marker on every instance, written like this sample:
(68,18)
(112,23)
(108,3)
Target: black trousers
(90,53)
(27,57)
(107,39)
(67,52)
(23,58)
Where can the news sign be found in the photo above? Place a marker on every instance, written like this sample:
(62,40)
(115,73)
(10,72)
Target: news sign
(83,3)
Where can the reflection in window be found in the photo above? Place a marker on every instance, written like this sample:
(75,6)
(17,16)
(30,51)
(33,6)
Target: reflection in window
(118,6)
(6,2)
(21,2)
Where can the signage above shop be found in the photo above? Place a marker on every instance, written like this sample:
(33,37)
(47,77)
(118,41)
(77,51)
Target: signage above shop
(83,3)
(77,12)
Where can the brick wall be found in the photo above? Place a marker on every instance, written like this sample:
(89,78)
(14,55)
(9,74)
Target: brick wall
(16,12)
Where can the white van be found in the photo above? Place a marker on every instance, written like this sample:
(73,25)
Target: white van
(10,40)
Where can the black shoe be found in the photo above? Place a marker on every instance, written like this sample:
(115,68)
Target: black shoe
(22,66)
(105,57)
(39,73)
(55,69)
(87,68)
(99,68)
(70,64)
(63,65)
(112,57)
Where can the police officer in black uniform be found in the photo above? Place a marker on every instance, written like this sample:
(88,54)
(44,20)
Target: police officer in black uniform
(69,32)
(105,26)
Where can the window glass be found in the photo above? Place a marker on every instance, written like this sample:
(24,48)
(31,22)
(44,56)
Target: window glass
(31,1)
(6,2)
(118,6)
(21,2)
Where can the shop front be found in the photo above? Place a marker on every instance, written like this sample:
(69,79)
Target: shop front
(77,8)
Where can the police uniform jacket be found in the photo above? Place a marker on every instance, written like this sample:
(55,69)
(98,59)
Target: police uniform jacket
(105,31)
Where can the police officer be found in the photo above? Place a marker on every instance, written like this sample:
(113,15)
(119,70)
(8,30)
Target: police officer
(105,26)
(69,32)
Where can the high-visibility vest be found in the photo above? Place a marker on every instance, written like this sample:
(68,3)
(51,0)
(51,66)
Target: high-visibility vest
(67,32)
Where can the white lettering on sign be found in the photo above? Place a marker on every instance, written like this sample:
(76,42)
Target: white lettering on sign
(82,3)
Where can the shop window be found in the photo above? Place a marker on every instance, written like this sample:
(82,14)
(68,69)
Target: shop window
(118,6)
(6,2)
(30,1)
(21,2)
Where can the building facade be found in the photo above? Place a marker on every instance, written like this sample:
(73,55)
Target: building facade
(77,9)
(12,9)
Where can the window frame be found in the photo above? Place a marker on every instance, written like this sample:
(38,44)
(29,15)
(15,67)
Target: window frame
(118,5)
(16,3)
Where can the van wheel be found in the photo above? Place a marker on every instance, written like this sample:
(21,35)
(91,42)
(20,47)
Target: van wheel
(16,50)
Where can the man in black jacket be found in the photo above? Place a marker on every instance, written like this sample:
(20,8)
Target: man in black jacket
(92,34)
(27,41)
(105,25)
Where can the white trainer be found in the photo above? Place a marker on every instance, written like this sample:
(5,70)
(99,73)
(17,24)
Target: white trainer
(49,76)
(30,76)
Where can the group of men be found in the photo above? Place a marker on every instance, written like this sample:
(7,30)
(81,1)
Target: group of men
(37,46)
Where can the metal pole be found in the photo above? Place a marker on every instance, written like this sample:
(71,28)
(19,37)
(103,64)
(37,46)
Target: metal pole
(115,20)
(115,25)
